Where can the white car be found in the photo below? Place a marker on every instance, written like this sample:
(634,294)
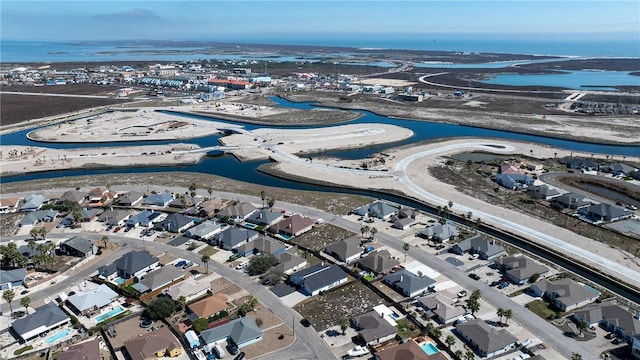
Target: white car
(464,318)
(320,221)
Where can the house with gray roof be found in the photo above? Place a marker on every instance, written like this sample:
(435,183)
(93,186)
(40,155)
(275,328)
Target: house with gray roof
(378,262)
(184,202)
(519,268)
(131,264)
(114,217)
(78,246)
(262,245)
(571,201)
(86,215)
(175,223)
(606,212)
(543,192)
(289,262)
(161,200)
(581,164)
(346,250)
(619,169)
(487,250)
(89,301)
(241,331)
(444,307)
(484,339)
(237,213)
(159,278)
(37,216)
(373,329)
(408,283)
(33,202)
(233,237)
(73,196)
(440,233)
(204,231)
(403,223)
(12,278)
(514,181)
(378,209)
(144,218)
(612,317)
(298,277)
(327,279)
(565,293)
(129,199)
(46,318)
(265,218)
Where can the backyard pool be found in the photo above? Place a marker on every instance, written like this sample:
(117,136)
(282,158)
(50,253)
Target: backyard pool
(119,281)
(57,336)
(429,348)
(250,226)
(111,313)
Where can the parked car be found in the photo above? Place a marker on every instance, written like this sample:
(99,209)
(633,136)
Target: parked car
(503,285)
(181,263)
(116,229)
(610,336)
(474,276)
(462,293)
(24,292)
(440,247)
(233,348)
(618,341)
(240,356)
(464,318)
(305,323)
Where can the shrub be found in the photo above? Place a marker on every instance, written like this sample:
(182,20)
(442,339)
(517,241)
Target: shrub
(200,325)
(22,350)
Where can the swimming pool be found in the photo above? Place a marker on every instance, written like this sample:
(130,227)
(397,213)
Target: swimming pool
(429,348)
(250,226)
(111,313)
(57,336)
(119,281)
(284,237)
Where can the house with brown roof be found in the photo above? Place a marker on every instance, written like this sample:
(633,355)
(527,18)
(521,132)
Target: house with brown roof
(209,306)
(210,207)
(292,226)
(154,344)
(88,350)
(237,213)
(378,262)
(9,205)
(409,350)
(100,197)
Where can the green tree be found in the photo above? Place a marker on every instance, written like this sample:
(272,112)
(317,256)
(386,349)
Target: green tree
(458,353)
(76,213)
(450,340)
(205,260)
(533,278)
(270,202)
(248,305)
(25,301)
(200,325)
(373,231)
(8,296)
(181,302)
(508,314)
(105,241)
(209,191)
(475,294)
(34,232)
(500,313)
(43,233)
(160,308)
(263,196)
(11,256)
(474,306)
(576,356)
(192,189)
(436,333)
(261,263)
(344,324)
(469,355)
(477,225)
(406,248)
(364,230)
(274,276)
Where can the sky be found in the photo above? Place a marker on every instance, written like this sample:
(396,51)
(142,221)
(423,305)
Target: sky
(260,20)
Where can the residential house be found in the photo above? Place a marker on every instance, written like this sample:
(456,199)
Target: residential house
(129,199)
(86,215)
(619,169)
(46,318)
(204,231)
(298,277)
(73,197)
(565,294)
(519,268)
(37,216)
(241,331)
(33,202)
(408,283)
(544,192)
(346,250)
(88,350)
(78,246)
(9,205)
(289,262)
(612,317)
(209,306)
(175,223)
(261,245)
(89,301)
(265,218)
(571,201)
(606,212)
(485,339)
(327,279)
(237,213)
(514,181)
(158,343)
(144,219)
(184,202)
(210,207)
(190,288)
(100,197)
(532,166)
(408,350)
(581,164)
(510,168)
(378,262)
(12,278)
(373,329)
(440,233)
(377,209)
(233,237)
(403,223)
(487,250)
(160,200)
(131,264)
(292,226)
(443,306)
(114,217)
(158,279)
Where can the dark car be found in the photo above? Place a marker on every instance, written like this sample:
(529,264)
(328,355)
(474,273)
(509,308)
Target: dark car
(239,356)
(474,276)
(24,292)
(440,247)
(233,348)
(305,323)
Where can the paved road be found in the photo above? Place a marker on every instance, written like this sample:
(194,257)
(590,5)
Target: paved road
(71,95)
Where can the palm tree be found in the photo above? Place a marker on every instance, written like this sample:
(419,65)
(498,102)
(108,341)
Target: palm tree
(450,205)
(469,215)
(43,232)
(458,353)
(210,191)
(8,296)
(469,355)
(270,202)
(344,324)
(576,356)
(450,340)
(508,314)
(373,232)
(500,313)
(436,333)
(477,224)
(192,189)
(34,232)
(182,301)
(475,294)
(105,240)
(25,301)
(205,260)
(364,230)
(263,196)
(474,306)
(405,247)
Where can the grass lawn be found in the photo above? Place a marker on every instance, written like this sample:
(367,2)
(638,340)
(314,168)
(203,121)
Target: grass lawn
(407,329)
(209,250)
(369,277)
(541,309)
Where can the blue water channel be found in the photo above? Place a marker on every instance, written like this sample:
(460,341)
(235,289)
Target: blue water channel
(228,166)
